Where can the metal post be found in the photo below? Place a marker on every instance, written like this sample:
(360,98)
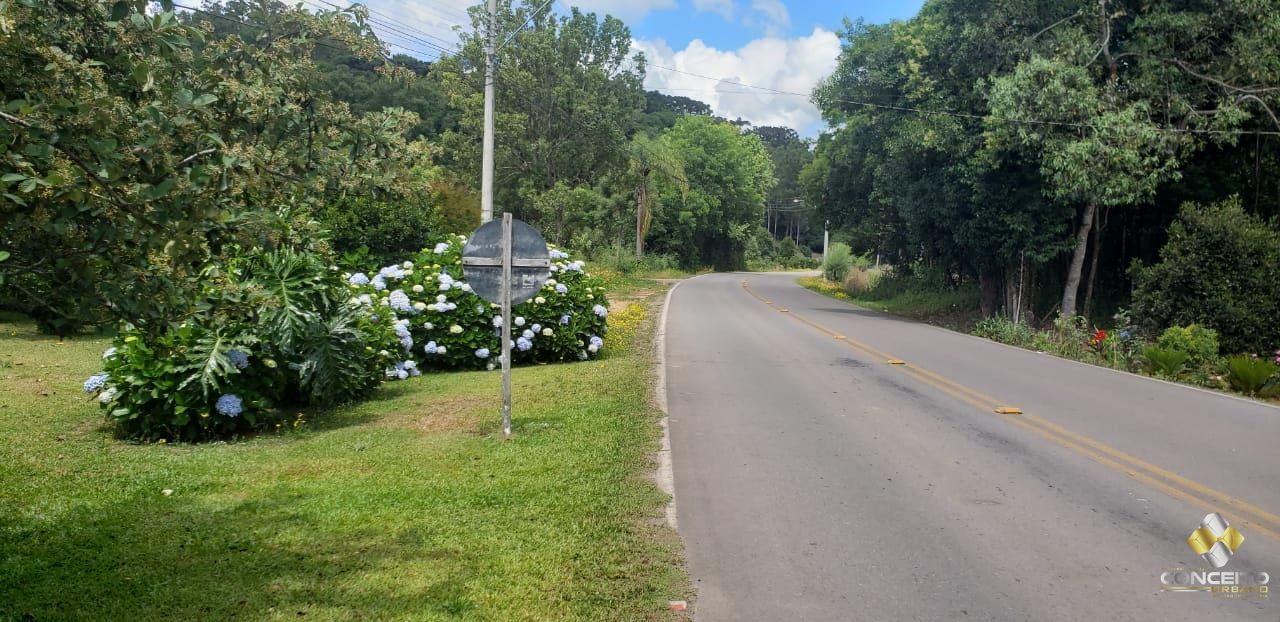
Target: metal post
(826,240)
(506,325)
(486,171)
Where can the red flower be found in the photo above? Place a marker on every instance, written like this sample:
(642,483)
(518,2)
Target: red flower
(1098,337)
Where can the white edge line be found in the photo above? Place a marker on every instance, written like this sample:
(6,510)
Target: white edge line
(664,476)
(1190,387)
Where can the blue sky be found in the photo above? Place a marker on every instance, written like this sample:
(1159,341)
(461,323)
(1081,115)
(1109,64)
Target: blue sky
(739,24)
(786,45)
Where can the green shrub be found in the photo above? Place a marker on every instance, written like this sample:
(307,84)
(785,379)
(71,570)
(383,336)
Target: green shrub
(1164,362)
(1220,269)
(860,281)
(1253,376)
(275,329)
(1200,343)
(387,229)
(838,262)
(442,324)
(1004,330)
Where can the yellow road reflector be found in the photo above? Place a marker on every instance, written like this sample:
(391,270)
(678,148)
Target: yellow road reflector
(839,336)
(1008,410)
(896,362)
(785,310)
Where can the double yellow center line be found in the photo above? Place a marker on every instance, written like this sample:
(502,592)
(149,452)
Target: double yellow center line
(1207,499)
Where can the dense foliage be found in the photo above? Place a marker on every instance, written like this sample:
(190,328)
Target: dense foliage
(1038,148)
(1220,269)
(136,146)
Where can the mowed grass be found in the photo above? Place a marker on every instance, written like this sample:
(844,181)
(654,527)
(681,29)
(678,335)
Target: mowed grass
(956,310)
(407,507)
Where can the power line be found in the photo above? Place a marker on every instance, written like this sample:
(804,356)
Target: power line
(963,115)
(532,15)
(402,35)
(397,25)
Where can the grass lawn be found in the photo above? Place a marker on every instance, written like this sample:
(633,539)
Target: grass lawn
(405,507)
(955,310)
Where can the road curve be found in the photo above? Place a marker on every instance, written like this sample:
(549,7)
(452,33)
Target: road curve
(816,481)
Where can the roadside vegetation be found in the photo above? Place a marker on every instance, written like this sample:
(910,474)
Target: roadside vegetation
(1088,176)
(406,506)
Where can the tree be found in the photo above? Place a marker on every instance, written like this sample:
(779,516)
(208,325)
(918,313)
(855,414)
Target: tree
(568,90)
(647,157)
(136,145)
(729,175)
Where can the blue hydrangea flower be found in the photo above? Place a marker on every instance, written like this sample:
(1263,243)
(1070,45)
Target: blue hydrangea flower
(537,328)
(109,353)
(391,272)
(359,278)
(564,319)
(482,353)
(561,288)
(230,405)
(238,358)
(524,344)
(576,266)
(527,334)
(557,254)
(441,248)
(378,283)
(95,382)
(597,342)
(400,301)
(430,348)
(599,310)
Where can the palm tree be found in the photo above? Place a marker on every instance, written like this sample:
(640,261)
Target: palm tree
(649,156)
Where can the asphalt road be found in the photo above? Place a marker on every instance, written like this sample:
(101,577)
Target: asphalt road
(815,481)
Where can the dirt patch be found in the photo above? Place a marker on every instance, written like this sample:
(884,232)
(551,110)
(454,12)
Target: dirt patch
(462,413)
(618,304)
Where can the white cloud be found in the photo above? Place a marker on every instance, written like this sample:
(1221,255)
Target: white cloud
(724,7)
(772,14)
(792,65)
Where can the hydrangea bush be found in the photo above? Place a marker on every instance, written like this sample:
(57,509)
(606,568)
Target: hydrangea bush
(281,328)
(442,324)
(276,329)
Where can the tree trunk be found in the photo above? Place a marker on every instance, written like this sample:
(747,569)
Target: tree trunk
(642,200)
(989,292)
(1077,262)
(1093,266)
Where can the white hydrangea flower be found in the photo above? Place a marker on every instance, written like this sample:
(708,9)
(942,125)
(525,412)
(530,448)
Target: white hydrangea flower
(547,332)
(429,326)
(497,321)
(408,265)
(418,289)
(455,329)
(442,350)
(420,306)
(539,300)
(519,321)
(466,287)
